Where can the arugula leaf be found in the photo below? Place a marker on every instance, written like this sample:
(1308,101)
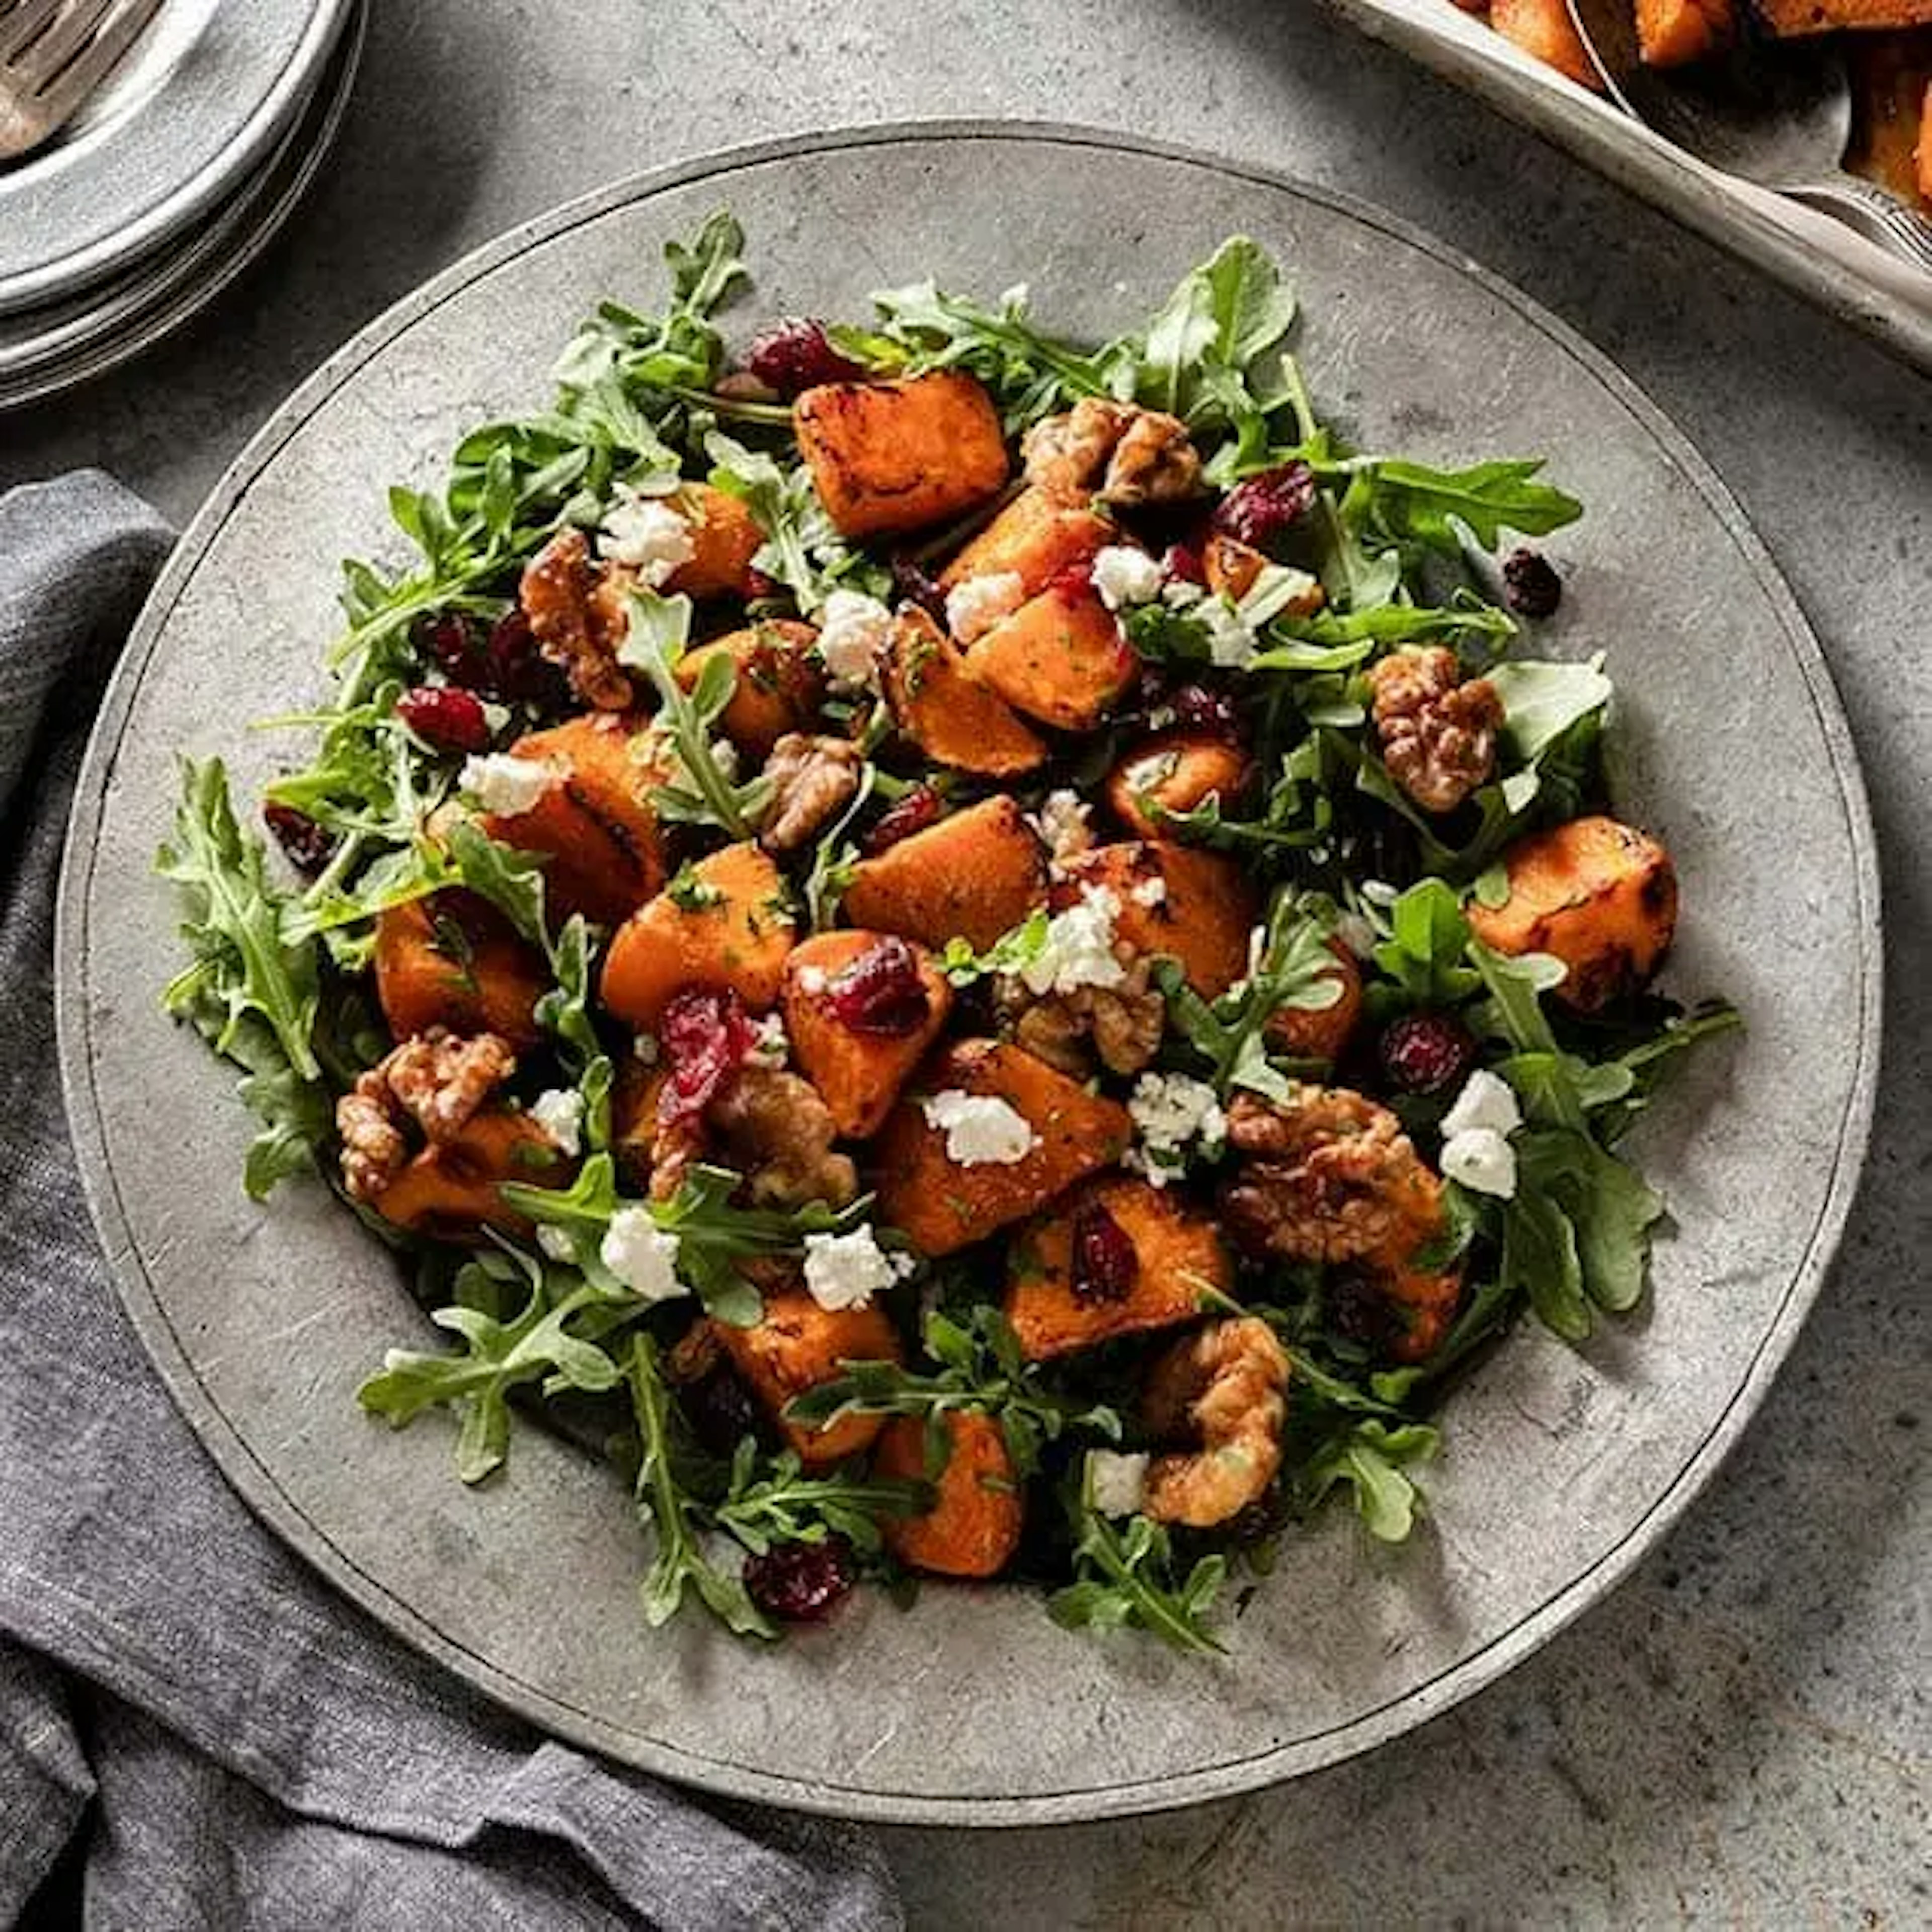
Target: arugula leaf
(1011,952)
(1371,1460)
(802,549)
(1542,701)
(1424,952)
(789,1506)
(1125,1580)
(1409,501)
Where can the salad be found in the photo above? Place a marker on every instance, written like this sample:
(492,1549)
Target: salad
(985,958)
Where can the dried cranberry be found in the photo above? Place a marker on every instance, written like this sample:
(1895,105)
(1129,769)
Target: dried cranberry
(1361,1312)
(1259,511)
(880,993)
(1104,1262)
(1183,564)
(796,355)
(704,1035)
(721,1410)
(441,715)
(1530,587)
(1198,709)
(915,584)
(308,846)
(800,1583)
(457,646)
(1073,581)
(758,586)
(921,807)
(1426,1052)
(519,671)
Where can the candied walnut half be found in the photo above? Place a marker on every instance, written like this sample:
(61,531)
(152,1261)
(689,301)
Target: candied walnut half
(437,1080)
(1438,734)
(577,619)
(813,780)
(1122,1024)
(776,1130)
(1118,451)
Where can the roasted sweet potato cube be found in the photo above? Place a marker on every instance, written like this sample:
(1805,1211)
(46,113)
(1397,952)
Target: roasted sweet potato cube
(453,960)
(724,538)
(1320,1032)
(634,1116)
(729,923)
(597,824)
(1923,152)
(1060,657)
(780,685)
(1177,1256)
(898,456)
(973,876)
(450,1191)
(1543,28)
(946,711)
(1599,896)
(1034,538)
(973,1527)
(1786,20)
(941,1203)
(1195,906)
(859,1068)
(1175,771)
(795,1346)
(1674,33)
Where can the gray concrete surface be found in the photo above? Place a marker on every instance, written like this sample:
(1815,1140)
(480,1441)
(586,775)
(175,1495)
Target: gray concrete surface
(1739,1735)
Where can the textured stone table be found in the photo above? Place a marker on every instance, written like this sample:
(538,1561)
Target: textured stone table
(1739,1735)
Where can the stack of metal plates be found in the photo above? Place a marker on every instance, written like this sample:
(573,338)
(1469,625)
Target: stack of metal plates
(168,184)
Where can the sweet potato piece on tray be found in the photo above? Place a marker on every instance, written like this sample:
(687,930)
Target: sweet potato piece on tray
(796,1345)
(449,1190)
(1320,1032)
(858,1073)
(1786,20)
(973,1527)
(1178,1253)
(1674,33)
(731,924)
(1201,913)
(1176,770)
(940,1204)
(1923,151)
(724,538)
(1600,896)
(974,875)
(1544,28)
(953,717)
(1034,538)
(780,685)
(598,825)
(453,960)
(1060,657)
(898,456)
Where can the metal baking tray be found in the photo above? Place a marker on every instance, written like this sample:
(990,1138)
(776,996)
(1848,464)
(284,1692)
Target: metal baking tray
(1822,260)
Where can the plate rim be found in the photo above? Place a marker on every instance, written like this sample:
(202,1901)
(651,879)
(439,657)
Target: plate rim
(255,1483)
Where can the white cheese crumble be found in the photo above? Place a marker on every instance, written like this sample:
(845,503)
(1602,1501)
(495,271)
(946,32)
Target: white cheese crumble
(1078,948)
(974,607)
(1116,1484)
(556,1243)
(1169,1110)
(560,1112)
(646,533)
(770,1045)
(1480,1159)
(1062,824)
(644,1049)
(1230,643)
(812,980)
(1123,577)
(1149,891)
(642,1255)
(853,629)
(1356,933)
(1486,1100)
(847,1270)
(981,1130)
(508,785)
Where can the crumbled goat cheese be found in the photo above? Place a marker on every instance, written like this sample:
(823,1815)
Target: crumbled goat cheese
(852,631)
(980,1130)
(1480,1159)
(1079,948)
(974,607)
(1115,1483)
(812,980)
(1257,949)
(1168,1110)
(560,1112)
(1123,577)
(1149,891)
(770,1045)
(644,1049)
(847,1270)
(508,785)
(1231,644)
(647,533)
(1061,823)
(642,1255)
(1357,934)
(1486,1100)
(556,1243)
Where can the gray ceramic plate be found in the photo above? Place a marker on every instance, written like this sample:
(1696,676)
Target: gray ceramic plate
(1561,1468)
(190,114)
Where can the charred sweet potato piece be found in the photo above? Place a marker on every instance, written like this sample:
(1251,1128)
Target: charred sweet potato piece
(1200,912)
(724,538)
(449,1190)
(941,1205)
(858,1070)
(1175,771)
(1674,33)
(953,717)
(1599,896)
(634,1117)
(1786,20)
(780,685)
(1035,539)
(974,875)
(597,824)
(973,1527)
(453,960)
(1320,1032)
(1543,28)
(796,1345)
(898,456)
(729,923)
(1060,657)
(1055,1307)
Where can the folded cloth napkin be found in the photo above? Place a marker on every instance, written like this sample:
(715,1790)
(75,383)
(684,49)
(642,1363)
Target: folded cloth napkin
(244,1748)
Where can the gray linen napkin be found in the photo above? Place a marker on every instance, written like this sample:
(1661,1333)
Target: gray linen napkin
(256,1752)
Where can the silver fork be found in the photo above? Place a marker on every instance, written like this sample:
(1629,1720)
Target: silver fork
(54,54)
